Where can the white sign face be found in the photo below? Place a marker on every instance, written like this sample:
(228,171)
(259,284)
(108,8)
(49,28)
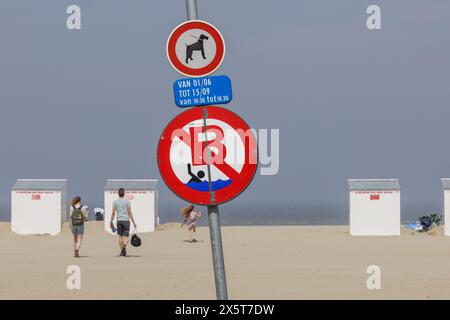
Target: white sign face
(195,48)
(229,147)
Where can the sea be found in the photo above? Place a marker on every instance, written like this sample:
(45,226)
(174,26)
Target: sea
(282,213)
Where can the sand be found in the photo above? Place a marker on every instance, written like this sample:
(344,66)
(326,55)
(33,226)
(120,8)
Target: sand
(287,262)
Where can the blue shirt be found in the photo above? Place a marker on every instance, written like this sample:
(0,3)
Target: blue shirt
(121,206)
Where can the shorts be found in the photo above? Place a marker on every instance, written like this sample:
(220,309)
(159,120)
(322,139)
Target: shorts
(77,230)
(192,225)
(123,228)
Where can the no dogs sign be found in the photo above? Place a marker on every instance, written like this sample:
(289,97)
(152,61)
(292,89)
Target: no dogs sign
(195,48)
(207,155)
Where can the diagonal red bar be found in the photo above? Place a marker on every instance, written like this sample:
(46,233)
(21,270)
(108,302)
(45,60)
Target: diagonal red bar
(227,170)
(224,167)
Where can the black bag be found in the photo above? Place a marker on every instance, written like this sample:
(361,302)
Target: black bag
(99,216)
(135,240)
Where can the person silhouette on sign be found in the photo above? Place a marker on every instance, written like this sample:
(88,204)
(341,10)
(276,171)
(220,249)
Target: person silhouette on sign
(195,178)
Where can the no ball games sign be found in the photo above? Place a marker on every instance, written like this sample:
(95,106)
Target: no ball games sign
(207,155)
(195,48)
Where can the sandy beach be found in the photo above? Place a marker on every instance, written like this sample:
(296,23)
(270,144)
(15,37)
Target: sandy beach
(273,262)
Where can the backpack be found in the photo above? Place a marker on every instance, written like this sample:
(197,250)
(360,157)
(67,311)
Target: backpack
(77,216)
(135,240)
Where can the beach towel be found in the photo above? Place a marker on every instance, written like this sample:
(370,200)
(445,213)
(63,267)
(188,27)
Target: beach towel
(414,226)
(410,226)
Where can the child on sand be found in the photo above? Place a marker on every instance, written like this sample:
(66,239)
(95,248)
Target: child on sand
(190,216)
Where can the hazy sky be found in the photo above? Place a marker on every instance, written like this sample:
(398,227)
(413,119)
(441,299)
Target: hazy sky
(90,105)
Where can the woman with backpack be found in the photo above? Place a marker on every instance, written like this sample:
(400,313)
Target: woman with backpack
(78,215)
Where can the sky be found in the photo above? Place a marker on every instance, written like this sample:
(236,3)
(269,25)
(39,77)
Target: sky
(90,104)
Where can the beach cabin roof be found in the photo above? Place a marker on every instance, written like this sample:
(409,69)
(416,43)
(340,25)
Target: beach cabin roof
(140,184)
(446,183)
(40,184)
(373,184)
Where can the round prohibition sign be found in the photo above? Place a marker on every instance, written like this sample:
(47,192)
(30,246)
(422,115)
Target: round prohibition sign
(183,161)
(195,48)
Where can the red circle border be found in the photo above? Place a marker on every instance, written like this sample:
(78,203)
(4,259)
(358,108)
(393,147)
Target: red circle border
(178,65)
(181,190)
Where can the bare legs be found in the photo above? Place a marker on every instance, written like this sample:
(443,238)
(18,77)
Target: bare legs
(123,241)
(77,239)
(192,230)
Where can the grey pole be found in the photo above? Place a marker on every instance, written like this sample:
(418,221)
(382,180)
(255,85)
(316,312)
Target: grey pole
(191,9)
(217,252)
(214,231)
(213,210)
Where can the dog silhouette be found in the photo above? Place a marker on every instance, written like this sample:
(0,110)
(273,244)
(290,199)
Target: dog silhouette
(196,46)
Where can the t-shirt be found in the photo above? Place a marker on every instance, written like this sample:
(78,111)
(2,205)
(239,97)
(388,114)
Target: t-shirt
(121,206)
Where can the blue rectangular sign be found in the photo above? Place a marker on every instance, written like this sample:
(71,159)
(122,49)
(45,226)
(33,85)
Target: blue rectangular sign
(202,91)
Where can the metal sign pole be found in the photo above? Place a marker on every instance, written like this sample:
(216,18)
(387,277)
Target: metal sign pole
(214,230)
(213,210)
(191,9)
(217,252)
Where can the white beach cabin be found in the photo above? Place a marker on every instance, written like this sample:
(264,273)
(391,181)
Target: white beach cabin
(143,196)
(446,204)
(38,206)
(374,207)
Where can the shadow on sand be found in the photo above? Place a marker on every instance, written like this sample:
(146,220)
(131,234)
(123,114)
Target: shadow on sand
(193,241)
(129,256)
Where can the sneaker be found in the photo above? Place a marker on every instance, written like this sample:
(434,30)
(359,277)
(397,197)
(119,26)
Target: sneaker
(124,252)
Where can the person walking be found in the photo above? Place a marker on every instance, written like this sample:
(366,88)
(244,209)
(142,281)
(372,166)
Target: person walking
(122,208)
(190,219)
(78,215)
